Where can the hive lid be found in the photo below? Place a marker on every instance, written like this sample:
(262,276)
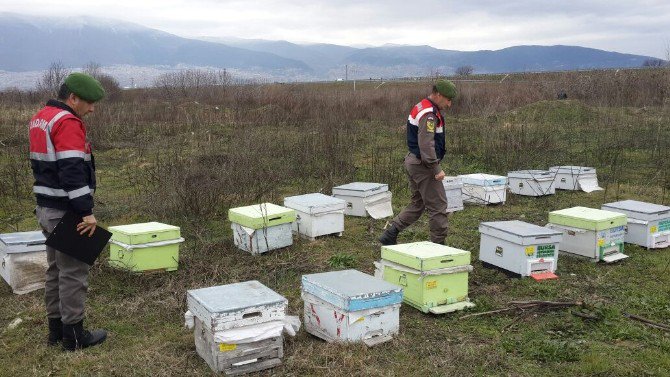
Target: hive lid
(360,189)
(315,203)
(637,207)
(260,216)
(483,179)
(351,289)
(573,170)
(235,297)
(520,228)
(22,242)
(425,256)
(133,234)
(587,218)
(531,174)
(23,238)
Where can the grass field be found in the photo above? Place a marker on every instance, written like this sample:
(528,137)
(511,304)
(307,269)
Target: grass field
(186,161)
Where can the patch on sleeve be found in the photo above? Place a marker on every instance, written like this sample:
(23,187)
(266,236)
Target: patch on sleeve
(430,125)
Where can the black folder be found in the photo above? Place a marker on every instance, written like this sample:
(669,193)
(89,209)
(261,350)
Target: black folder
(66,239)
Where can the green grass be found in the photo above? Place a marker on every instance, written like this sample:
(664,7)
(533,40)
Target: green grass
(144,313)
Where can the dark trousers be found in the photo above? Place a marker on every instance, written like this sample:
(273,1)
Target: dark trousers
(427,195)
(67,278)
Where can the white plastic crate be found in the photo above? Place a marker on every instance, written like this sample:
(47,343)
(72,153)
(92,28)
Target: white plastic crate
(575,178)
(484,188)
(365,198)
(318,214)
(519,247)
(453,188)
(648,224)
(532,182)
(350,306)
(23,261)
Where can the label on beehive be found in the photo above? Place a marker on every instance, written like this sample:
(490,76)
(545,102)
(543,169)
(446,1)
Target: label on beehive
(530,250)
(601,241)
(653,229)
(664,225)
(223,347)
(544,251)
(431,284)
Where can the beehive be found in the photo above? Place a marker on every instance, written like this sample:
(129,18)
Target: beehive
(591,233)
(145,247)
(262,227)
(519,247)
(350,306)
(365,199)
(434,277)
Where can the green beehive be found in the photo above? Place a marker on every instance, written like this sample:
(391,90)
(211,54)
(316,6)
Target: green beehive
(145,247)
(434,277)
(587,218)
(261,216)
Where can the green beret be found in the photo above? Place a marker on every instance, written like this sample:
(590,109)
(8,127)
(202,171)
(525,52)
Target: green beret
(446,88)
(85,87)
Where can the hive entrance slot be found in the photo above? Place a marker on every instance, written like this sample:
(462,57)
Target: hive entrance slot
(251,315)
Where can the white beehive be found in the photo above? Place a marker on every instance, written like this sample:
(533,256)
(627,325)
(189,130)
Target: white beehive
(318,214)
(350,306)
(453,188)
(575,178)
(365,198)
(532,182)
(23,261)
(262,227)
(648,224)
(484,188)
(591,233)
(519,247)
(238,326)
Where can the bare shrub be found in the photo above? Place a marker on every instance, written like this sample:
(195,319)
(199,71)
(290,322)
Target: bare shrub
(52,79)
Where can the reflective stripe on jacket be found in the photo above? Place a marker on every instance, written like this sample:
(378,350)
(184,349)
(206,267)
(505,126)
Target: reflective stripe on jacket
(61,160)
(419,111)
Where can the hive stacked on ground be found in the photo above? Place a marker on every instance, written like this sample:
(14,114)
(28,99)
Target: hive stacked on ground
(453,188)
(434,277)
(238,327)
(145,247)
(575,178)
(484,188)
(262,227)
(365,199)
(648,224)
(23,261)
(591,233)
(532,182)
(317,214)
(350,306)
(519,247)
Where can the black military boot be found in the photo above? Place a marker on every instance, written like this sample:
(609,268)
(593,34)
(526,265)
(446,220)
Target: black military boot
(55,331)
(75,337)
(390,236)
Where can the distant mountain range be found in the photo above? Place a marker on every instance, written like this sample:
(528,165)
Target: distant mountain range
(30,43)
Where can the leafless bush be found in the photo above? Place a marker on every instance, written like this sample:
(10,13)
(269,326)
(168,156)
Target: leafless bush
(465,70)
(52,79)
(192,83)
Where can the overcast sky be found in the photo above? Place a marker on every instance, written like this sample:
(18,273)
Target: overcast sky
(639,27)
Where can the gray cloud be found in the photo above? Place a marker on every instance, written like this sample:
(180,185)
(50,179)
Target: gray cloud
(641,27)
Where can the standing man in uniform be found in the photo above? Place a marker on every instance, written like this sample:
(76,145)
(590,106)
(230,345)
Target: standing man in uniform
(64,172)
(426,144)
